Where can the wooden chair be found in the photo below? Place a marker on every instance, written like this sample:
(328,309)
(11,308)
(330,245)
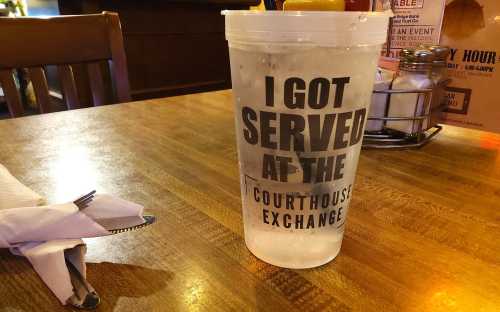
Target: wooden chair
(33,43)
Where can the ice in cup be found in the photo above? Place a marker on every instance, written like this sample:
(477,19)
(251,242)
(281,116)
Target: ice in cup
(302,85)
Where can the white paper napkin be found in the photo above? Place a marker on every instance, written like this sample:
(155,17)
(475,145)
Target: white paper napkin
(44,223)
(15,194)
(49,261)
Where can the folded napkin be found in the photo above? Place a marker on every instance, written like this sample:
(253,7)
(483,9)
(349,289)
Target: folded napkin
(62,221)
(49,261)
(49,236)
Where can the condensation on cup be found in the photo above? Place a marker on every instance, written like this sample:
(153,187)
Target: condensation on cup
(302,84)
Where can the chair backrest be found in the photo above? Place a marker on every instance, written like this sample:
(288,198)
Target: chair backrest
(33,43)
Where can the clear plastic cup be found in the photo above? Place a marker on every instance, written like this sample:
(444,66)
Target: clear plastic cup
(302,85)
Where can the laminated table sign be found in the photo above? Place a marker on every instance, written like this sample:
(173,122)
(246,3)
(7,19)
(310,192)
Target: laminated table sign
(415,22)
(471,28)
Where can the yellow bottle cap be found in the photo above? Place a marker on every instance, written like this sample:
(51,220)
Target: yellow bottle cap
(314,5)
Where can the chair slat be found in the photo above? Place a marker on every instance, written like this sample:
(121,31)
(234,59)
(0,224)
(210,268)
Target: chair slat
(77,40)
(11,93)
(39,81)
(96,83)
(69,86)
(118,60)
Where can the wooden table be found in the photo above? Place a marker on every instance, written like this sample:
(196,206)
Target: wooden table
(422,234)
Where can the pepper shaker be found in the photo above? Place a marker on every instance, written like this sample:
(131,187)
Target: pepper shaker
(439,77)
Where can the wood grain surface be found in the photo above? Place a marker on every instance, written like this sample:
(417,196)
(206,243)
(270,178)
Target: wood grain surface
(422,233)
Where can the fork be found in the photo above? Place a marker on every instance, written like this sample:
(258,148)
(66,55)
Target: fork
(83,202)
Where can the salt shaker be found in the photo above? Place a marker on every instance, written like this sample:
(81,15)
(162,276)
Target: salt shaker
(415,70)
(378,105)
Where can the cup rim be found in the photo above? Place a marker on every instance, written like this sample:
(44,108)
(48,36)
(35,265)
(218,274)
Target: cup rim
(381,14)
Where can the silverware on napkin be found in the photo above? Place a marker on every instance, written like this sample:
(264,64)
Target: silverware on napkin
(125,224)
(85,297)
(116,225)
